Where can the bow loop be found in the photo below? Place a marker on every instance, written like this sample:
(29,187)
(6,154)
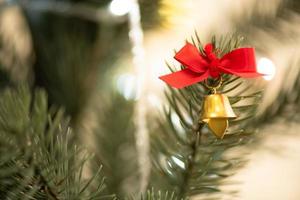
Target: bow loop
(194,62)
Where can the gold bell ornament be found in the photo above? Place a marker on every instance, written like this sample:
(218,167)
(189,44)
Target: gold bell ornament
(216,111)
(200,66)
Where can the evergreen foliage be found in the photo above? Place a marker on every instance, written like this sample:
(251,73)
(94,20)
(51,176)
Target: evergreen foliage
(40,159)
(187,158)
(37,161)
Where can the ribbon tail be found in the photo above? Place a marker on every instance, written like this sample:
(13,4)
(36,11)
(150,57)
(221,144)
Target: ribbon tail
(183,78)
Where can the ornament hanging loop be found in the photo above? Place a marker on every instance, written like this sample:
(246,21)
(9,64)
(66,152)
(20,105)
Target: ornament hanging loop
(214,88)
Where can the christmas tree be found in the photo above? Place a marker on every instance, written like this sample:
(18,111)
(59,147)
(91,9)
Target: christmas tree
(75,117)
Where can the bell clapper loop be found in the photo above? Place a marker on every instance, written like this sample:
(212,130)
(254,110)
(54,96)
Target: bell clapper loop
(214,90)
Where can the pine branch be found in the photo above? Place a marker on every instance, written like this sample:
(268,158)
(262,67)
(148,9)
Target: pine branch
(180,162)
(37,161)
(191,163)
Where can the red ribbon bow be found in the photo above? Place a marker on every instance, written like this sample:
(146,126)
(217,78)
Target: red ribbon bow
(239,62)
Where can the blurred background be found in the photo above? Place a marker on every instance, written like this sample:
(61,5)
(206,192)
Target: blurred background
(100,60)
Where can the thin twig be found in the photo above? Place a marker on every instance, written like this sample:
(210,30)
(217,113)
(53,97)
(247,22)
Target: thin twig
(191,161)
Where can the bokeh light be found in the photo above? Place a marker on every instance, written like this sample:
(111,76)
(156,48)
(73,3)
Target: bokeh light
(267,67)
(127,86)
(120,7)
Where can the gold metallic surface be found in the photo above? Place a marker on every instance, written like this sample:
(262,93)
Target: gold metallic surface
(216,112)
(218,126)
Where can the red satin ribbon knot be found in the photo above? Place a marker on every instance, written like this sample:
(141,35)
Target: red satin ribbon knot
(239,62)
